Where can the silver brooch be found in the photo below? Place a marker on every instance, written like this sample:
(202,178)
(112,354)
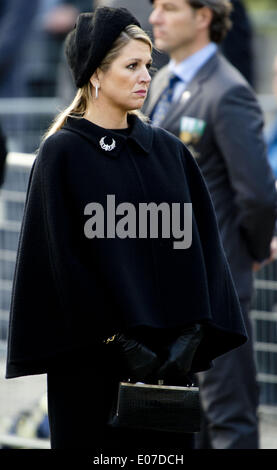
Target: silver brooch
(107,147)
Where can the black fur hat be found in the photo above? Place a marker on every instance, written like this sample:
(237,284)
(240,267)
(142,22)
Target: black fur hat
(92,38)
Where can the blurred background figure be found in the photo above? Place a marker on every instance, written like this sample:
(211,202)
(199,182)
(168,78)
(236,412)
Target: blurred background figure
(3,156)
(16,17)
(44,47)
(31,39)
(271,132)
(238,44)
(58,28)
(31,66)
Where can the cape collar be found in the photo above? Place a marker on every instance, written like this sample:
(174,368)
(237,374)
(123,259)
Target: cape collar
(140,133)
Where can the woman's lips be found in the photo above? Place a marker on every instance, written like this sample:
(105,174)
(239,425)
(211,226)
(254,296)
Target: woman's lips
(141,92)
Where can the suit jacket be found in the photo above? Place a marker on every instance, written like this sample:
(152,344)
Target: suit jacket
(3,156)
(71,291)
(219,119)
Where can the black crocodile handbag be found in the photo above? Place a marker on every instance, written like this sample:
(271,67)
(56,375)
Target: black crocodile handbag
(156,408)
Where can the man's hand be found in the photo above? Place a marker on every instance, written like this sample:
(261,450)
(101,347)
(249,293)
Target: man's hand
(273,255)
(61,19)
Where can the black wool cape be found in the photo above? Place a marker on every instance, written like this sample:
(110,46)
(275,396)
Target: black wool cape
(70,291)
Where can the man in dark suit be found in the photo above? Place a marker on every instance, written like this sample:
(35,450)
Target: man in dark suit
(212,108)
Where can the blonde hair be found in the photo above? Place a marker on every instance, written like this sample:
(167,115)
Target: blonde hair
(78,106)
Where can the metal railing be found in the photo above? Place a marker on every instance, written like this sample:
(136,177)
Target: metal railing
(12,197)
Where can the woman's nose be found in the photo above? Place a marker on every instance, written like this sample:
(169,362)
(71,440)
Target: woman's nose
(146,77)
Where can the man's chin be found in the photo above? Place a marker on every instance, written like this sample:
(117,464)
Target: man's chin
(161,45)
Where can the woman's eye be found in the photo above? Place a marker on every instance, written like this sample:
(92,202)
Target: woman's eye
(132,66)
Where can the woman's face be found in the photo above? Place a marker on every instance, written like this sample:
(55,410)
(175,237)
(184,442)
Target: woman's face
(125,84)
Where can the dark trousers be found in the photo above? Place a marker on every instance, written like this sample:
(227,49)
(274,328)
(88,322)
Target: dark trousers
(79,402)
(229,398)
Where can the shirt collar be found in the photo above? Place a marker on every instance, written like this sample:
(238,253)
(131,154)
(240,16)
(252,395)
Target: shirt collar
(140,133)
(189,67)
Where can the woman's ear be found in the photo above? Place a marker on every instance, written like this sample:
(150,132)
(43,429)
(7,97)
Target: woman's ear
(96,78)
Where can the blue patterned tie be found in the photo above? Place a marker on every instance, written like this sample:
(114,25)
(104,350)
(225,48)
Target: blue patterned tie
(163,105)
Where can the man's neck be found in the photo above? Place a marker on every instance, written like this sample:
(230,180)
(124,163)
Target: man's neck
(183,53)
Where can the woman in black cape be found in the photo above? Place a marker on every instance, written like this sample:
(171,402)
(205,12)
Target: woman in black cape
(98,296)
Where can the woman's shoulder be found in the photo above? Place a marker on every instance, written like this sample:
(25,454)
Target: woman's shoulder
(52,155)
(55,146)
(60,139)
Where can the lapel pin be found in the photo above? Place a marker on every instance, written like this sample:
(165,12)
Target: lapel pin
(186,95)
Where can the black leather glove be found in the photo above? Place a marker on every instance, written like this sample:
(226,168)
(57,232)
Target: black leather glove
(139,360)
(181,353)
